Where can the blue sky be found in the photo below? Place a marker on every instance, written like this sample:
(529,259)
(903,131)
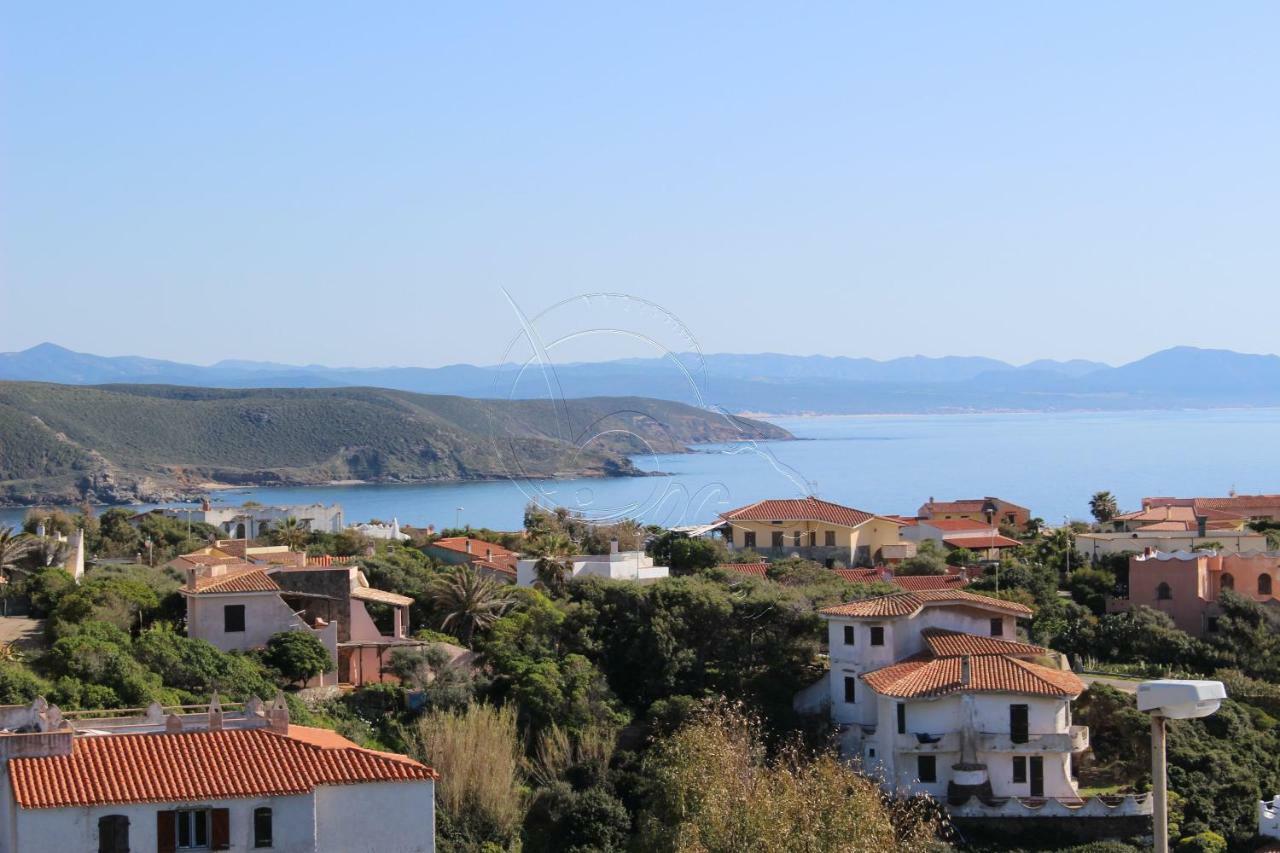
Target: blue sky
(356,184)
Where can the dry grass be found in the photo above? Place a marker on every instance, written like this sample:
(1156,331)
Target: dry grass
(478,755)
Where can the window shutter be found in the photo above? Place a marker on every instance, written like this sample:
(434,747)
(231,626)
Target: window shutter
(221,830)
(166,832)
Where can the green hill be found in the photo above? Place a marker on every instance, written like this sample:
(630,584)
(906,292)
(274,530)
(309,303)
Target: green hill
(120,443)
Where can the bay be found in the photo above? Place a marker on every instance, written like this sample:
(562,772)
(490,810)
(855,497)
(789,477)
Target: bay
(1050,462)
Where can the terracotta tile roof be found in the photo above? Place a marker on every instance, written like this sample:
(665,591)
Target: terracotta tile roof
(1231,503)
(924,676)
(802,509)
(906,603)
(859,575)
(1186,514)
(970,505)
(505,567)
(943,643)
(195,766)
(956,524)
(980,540)
(479,548)
(754,569)
(916,582)
(247,579)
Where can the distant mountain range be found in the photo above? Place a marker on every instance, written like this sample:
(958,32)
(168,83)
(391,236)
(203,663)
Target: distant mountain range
(130,443)
(1182,377)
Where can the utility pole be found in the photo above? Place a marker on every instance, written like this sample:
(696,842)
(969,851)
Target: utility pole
(1159,785)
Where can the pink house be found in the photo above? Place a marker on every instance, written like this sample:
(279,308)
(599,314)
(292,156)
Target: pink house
(1187,585)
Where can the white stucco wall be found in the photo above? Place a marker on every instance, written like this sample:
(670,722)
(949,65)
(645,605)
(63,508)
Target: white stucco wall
(75,829)
(399,817)
(265,613)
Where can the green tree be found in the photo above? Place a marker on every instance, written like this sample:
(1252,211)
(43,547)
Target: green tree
(289,531)
(13,549)
(684,555)
(467,602)
(297,655)
(1103,506)
(925,562)
(552,567)
(961,557)
(1091,587)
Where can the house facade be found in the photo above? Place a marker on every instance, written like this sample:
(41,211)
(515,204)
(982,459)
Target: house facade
(993,511)
(216,779)
(815,530)
(934,694)
(1251,507)
(1188,585)
(251,521)
(488,558)
(985,541)
(616,565)
(1157,537)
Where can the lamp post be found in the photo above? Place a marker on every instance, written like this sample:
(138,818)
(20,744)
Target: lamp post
(1171,699)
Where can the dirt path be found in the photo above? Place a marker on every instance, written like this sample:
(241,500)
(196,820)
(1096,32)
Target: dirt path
(23,631)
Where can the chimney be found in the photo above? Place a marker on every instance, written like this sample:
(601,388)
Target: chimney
(467,545)
(173,724)
(964,671)
(278,715)
(215,713)
(1146,552)
(1202,526)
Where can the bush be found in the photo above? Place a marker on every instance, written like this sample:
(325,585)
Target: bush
(1203,842)
(297,655)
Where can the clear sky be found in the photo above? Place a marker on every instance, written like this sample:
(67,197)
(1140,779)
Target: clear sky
(356,183)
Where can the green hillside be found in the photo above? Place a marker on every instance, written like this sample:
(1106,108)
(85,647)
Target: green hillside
(151,442)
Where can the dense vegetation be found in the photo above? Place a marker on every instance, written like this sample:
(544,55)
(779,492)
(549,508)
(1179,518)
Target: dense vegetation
(121,443)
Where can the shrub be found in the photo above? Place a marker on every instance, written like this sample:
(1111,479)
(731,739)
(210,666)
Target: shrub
(297,655)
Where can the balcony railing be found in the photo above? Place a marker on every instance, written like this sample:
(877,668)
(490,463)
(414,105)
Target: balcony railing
(1074,740)
(927,742)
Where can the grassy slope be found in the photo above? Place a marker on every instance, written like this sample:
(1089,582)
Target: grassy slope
(55,438)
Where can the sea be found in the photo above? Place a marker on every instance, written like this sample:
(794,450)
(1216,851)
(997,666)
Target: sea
(1050,462)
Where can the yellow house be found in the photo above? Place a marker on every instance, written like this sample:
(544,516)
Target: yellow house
(814,529)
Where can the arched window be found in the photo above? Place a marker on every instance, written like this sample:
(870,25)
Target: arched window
(113,834)
(1163,592)
(264,528)
(1228,582)
(240,531)
(1264,584)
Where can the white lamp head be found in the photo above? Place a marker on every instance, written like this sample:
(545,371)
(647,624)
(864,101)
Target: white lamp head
(1180,700)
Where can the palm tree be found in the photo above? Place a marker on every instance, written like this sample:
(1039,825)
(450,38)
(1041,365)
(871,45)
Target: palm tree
(289,531)
(468,602)
(551,567)
(1034,526)
(1103,506)
(13,547)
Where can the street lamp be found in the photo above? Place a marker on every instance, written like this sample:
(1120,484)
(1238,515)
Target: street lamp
(1171,699)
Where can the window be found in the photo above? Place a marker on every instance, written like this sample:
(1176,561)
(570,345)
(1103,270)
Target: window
(902,718)
(829,539)
(997,627)
(233,618)
(1019,724)
(1212,625)
(728,535)
(777,539)
(1264,584)
(1163,592)
(813,539)
(262,827)
(1228,582)
(193,829)
(1019,770)
(848,635)
(927,768)
(795,538)
(749,539)
(877,635)
(850,688)
(113,834)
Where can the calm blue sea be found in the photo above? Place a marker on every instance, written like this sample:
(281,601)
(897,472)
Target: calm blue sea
(886,464)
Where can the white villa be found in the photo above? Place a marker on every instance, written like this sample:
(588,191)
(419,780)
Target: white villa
(617,565)
(253,520)
(212,778)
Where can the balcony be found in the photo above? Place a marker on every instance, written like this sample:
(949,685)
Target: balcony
(1075,740)
(923,742)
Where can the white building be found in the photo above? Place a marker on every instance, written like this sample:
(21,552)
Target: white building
(251,520)
(1095,546)
(618,565)
(213,780)
(934,694)
(1269,817)
(378,530)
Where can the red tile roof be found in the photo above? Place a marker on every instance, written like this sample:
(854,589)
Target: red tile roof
(802,509)
(943,643)
(915,582)
(490,565)
(754,569)
(195,766)
(237,580)
(479,548)
(907,603)
(1233,503)
(859,575)
(955,524)
(923,676)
